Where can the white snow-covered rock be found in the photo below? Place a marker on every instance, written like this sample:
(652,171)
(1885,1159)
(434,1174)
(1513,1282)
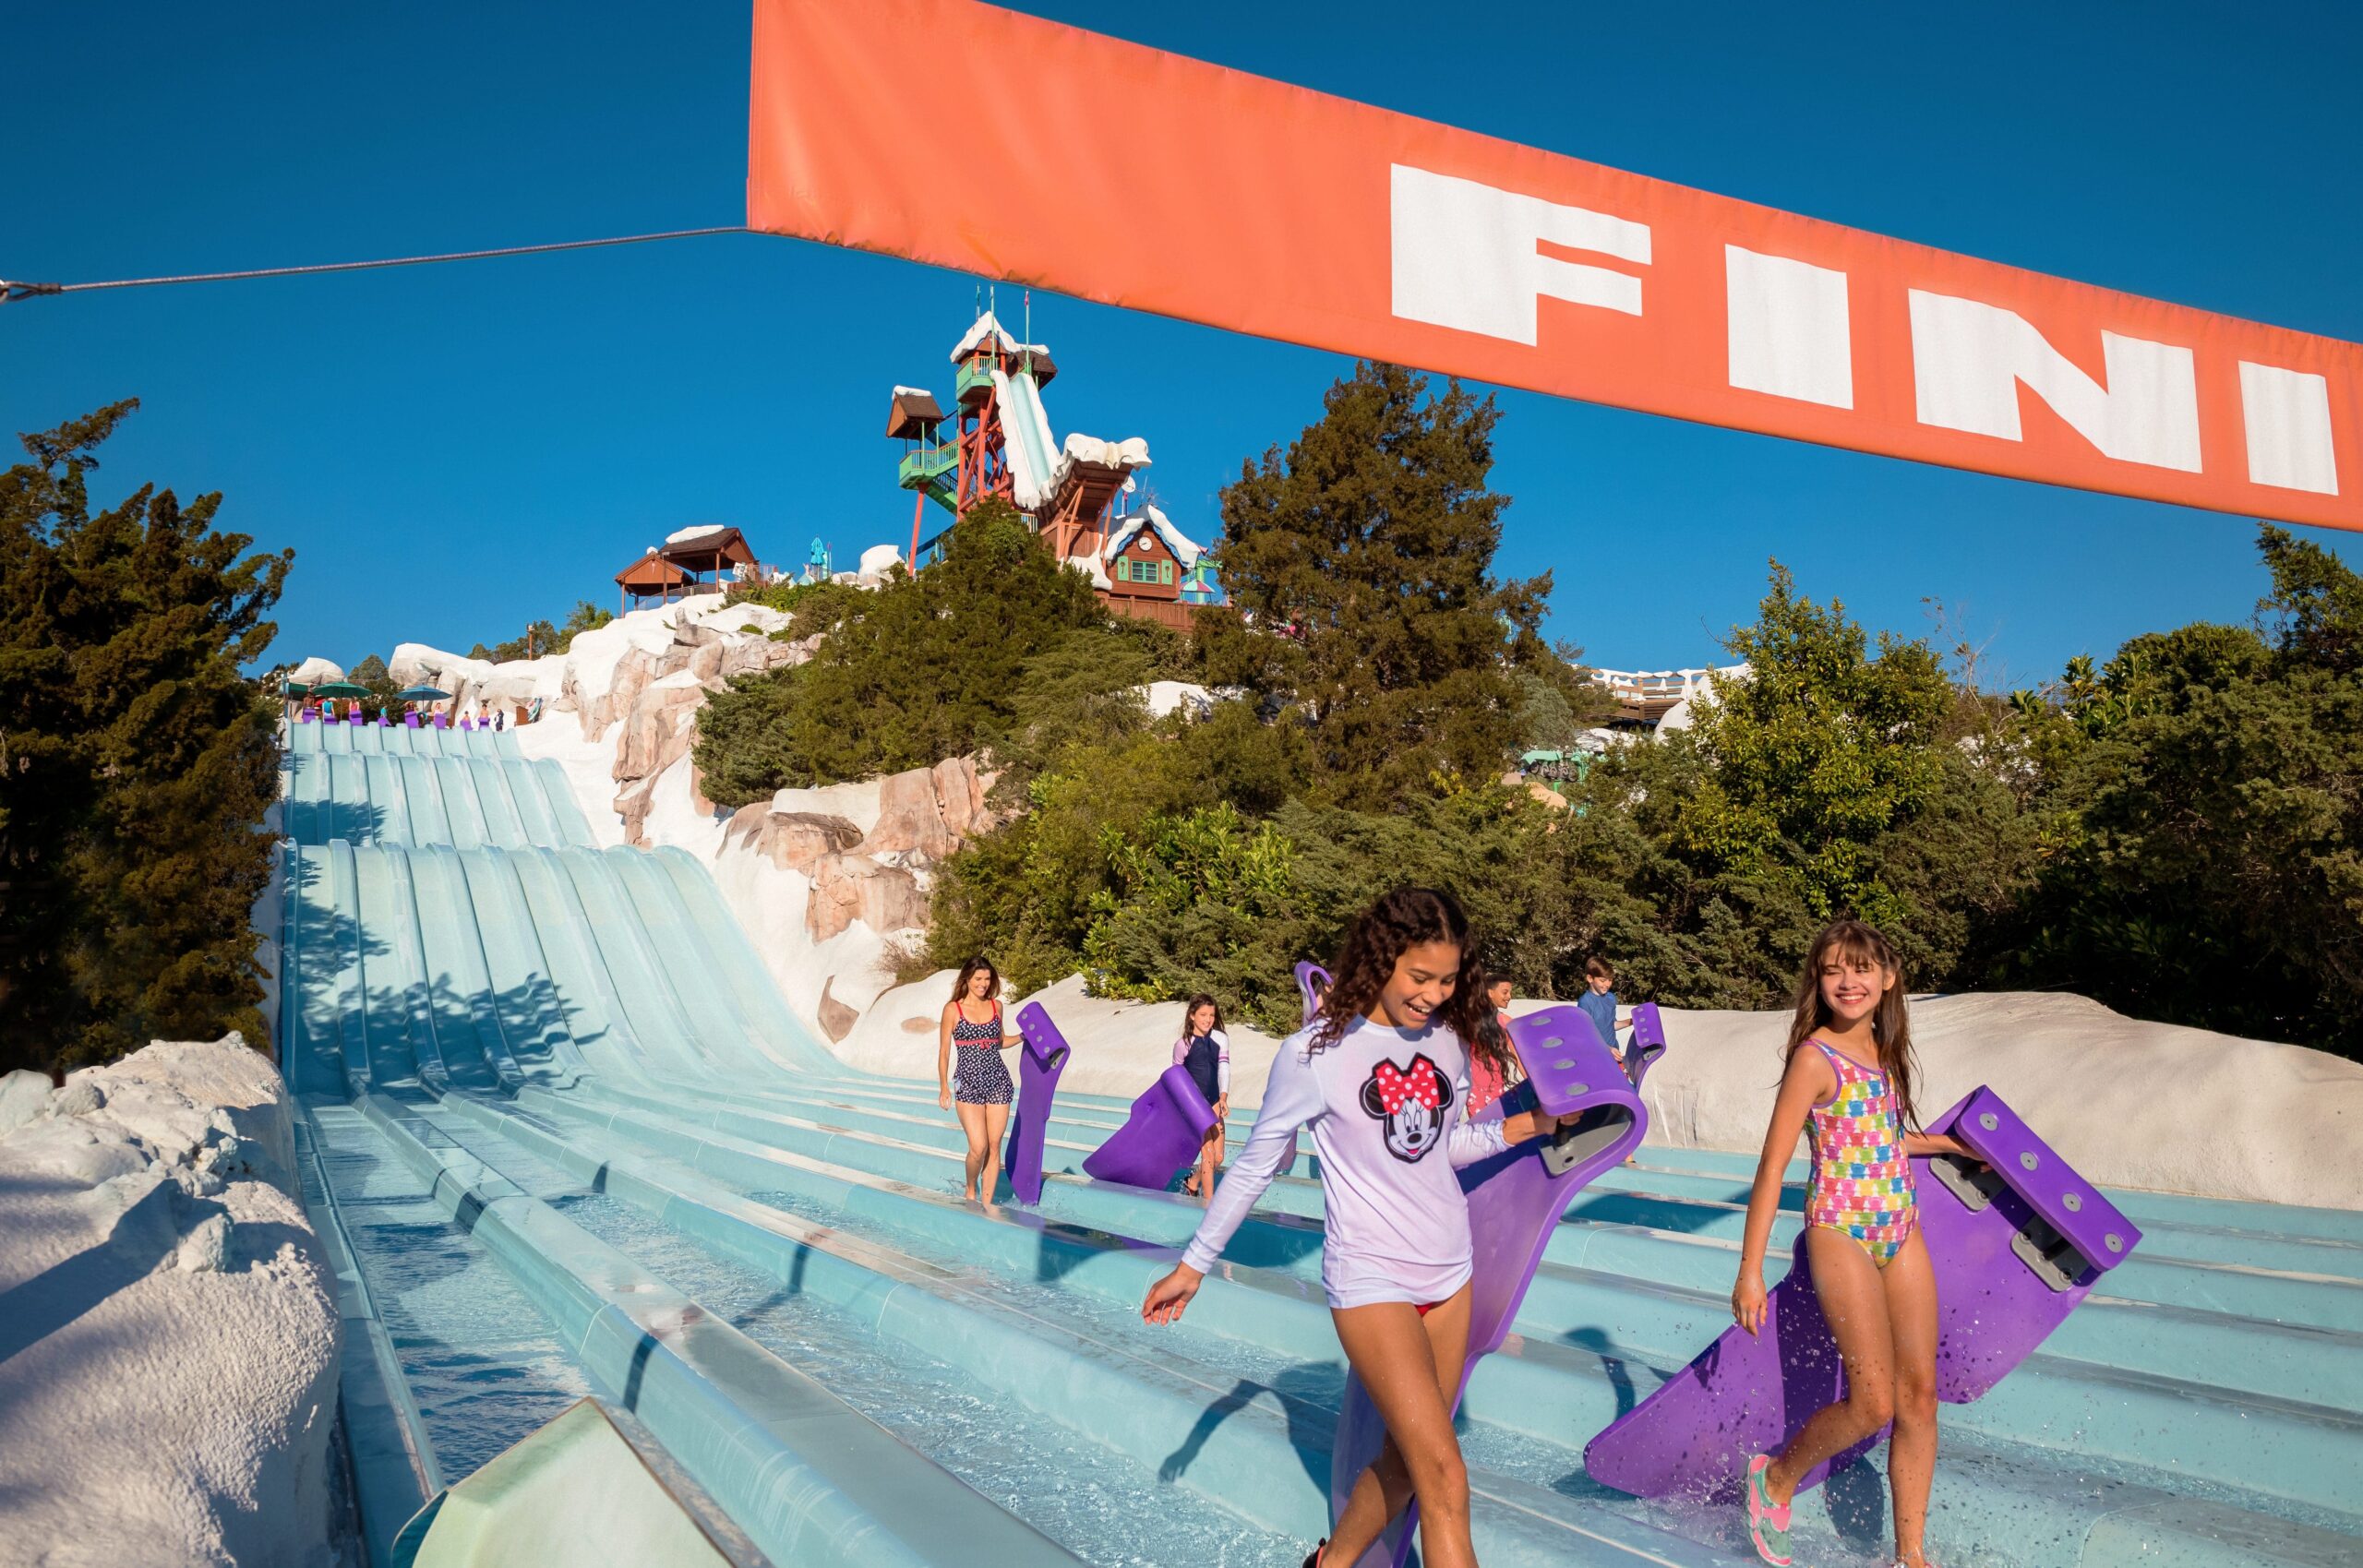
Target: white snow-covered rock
(1166,695)
(878,563)
(168,1355)
(2127,1102)
(316,670)
(1119,1047)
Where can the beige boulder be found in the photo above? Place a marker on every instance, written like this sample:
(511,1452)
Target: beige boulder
(658,729)
(929,812)
(847,887)
(836,1020)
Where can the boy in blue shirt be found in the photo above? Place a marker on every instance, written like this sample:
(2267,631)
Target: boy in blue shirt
(1598,1002)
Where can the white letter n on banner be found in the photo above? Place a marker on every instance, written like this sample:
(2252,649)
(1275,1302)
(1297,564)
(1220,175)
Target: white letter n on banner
(1465,256)
(1968,360)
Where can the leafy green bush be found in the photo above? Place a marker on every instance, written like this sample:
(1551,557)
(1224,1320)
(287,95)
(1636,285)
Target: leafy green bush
(2208,784)
(927,668)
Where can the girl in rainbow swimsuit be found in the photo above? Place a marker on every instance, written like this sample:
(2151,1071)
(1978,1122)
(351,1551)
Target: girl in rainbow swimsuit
(1848,1089)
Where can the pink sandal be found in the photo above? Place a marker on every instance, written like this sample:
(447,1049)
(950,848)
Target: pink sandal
(1768,1522)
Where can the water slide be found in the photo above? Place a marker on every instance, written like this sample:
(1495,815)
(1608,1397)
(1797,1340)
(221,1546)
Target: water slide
(563,1139)
(1033,451)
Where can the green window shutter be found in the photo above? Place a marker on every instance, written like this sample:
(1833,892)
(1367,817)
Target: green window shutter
(1165,572)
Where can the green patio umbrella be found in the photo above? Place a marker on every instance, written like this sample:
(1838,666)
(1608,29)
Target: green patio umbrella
(341,688)
(422,694)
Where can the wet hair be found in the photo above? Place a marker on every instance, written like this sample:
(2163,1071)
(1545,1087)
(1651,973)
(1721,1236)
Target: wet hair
(1598,966)
(1397,923)
(968,970)
(1849,941)
(1190,1010)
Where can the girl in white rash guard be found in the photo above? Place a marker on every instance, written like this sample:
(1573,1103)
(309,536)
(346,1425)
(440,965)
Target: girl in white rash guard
(1382,1080)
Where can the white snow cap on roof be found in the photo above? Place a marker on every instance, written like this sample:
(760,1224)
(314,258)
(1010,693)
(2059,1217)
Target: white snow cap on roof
(683,535)
(913,392)
(1185,550)
(988,326)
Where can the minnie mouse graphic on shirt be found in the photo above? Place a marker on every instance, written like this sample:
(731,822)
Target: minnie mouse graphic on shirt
(1410,1101)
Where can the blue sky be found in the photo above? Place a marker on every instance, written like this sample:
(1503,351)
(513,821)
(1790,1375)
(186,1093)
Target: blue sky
(454,450)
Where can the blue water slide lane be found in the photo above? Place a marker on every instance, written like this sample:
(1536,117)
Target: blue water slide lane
(604,1011)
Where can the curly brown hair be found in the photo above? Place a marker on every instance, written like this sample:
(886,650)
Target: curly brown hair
(1847,940)
(1397,923)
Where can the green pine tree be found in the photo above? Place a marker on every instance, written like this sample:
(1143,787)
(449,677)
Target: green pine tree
(1359,566)
(136,760)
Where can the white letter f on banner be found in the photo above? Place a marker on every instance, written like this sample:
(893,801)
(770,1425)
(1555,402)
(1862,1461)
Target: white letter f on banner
(1466,257)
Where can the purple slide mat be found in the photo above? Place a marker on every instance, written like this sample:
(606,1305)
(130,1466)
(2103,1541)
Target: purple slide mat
(1514,1200)
(1312,982)
(1040,1060)
(1166,1125)
(2016,1243)
(1646,1044)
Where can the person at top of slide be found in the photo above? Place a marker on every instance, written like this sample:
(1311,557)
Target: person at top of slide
(1205,1049)
(1381,1079)
(1598,1002)
(971,1026)
(1848,1088)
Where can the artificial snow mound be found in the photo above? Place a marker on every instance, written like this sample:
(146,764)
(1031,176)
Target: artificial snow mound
(168,1331)
(2127,1102)
(316,671)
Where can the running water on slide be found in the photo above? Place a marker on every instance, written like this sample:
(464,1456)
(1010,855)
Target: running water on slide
(574,1142)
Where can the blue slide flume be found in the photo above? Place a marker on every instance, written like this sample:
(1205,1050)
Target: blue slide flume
(572,1141)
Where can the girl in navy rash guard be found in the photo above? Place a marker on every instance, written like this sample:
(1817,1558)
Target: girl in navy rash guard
(1381,1079)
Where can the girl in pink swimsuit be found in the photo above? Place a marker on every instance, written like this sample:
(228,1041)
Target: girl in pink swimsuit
(1848,1089)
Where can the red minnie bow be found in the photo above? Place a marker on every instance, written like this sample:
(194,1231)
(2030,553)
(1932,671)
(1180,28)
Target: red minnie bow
(1397,1085)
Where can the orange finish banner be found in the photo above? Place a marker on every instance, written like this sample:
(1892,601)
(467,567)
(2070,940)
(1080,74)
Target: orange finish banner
(995,143)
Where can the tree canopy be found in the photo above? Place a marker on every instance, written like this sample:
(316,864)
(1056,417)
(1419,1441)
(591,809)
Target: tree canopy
(927,668)
(1368,547)
(136,760)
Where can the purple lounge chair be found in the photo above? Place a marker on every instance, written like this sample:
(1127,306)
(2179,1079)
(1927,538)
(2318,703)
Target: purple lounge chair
(1162,1134)
(352,717)
(442,720)
(1515,1202)
(2016,1243)
(1040,1060)
(410,721)
(303,715)
(466,722)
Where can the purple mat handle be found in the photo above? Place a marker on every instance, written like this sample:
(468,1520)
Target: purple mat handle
(2006,1277)
(1516,1200)
(2045,1183)
(1647,1044)
(1305,991)
(1162,1134)
(1040,1060)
